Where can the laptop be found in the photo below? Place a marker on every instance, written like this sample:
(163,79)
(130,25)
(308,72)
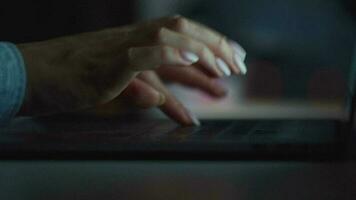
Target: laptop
(78,136)
(73,136)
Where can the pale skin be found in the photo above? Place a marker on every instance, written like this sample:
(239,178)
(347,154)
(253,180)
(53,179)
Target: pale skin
(90,69)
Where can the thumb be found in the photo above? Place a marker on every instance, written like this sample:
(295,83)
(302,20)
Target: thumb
(142,95)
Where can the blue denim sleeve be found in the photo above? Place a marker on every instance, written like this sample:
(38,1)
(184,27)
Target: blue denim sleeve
(12,81)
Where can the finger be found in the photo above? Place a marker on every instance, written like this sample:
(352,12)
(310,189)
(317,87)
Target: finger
(214,40)
(206,57)
(172,107)
(152,57)
(240,56)
(193,77)
(142,95)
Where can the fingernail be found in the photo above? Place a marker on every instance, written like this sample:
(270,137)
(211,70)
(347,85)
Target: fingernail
(190,57)
(223,66)
(238,49)
(194,119)
(162,99)
(240,63)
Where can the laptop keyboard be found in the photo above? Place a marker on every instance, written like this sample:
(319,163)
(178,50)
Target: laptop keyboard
(253,131)
(230,131)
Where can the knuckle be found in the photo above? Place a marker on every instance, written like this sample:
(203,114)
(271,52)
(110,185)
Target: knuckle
(222,42)
(225,49)
(133,89)
(165,52)
(181,24)
(187,42)
(177,16)
(165,48)
(211,84)
(161,34)
(192,76)
(206,53)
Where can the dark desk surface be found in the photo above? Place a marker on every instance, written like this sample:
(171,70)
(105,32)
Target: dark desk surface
(103,138)
(62,180)
(57,180)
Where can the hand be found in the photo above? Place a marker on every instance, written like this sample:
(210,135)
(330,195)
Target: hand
(85,70)
(147,90)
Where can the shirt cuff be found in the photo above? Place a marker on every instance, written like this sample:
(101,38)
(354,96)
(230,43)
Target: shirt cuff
(12,81)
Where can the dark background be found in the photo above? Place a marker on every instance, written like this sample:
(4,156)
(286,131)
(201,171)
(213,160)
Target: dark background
(297,49)
(25,21)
